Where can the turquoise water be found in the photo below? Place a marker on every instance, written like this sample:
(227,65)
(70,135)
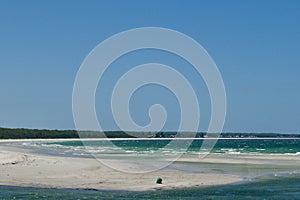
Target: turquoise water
(282,187)
(224,146)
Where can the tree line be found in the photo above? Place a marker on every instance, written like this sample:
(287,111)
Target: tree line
(22,133)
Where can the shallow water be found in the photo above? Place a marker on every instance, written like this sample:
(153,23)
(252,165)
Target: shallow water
(158,149)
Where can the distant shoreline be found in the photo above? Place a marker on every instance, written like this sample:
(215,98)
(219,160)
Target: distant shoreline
(123,139)
(22,133)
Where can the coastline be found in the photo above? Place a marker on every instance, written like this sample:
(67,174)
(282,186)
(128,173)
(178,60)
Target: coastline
(22,167)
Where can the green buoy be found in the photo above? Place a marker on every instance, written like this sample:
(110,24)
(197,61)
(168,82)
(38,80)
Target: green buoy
(159,180)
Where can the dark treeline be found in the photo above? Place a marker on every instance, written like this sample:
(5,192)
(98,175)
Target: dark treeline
(21,133)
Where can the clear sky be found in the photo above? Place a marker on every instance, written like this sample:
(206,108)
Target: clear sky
(255,44)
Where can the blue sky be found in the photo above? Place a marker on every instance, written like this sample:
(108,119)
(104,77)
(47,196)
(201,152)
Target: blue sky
(255,44)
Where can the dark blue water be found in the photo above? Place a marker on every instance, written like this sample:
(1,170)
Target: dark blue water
(281,187)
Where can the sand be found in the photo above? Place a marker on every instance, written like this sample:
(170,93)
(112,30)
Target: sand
(20,167)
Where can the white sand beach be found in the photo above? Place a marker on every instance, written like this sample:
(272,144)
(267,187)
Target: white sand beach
(21,167)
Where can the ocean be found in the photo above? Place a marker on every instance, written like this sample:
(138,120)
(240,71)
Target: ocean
(279,187)
(223,146)
(267,181)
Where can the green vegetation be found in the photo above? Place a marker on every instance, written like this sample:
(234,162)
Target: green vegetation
(7,133)
(21,133)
